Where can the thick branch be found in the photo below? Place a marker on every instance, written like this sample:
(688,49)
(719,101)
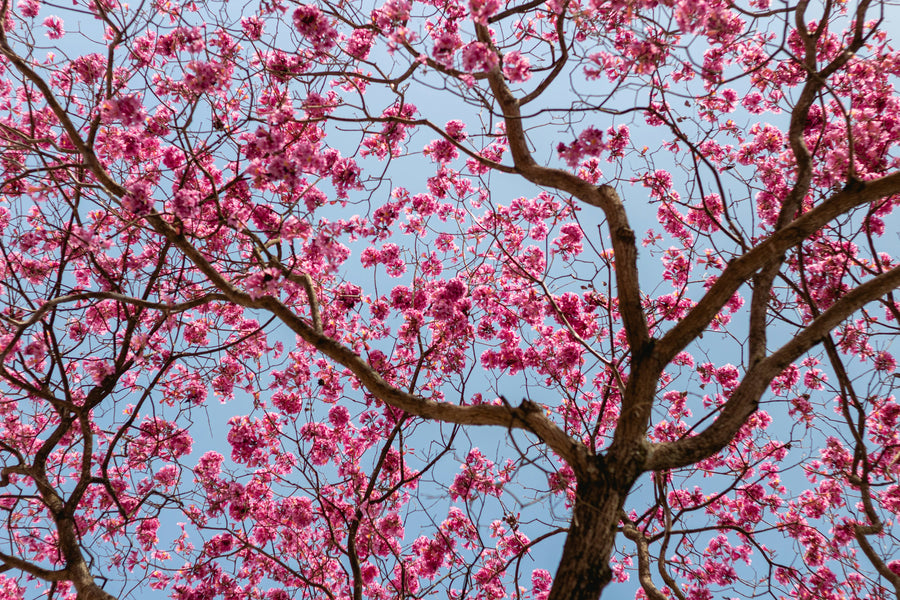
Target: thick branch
(740,270)
(815,82)
(643,556)
(860,532)
(603,197)
(744,400)
(584,566)
(527,416)
(34,570)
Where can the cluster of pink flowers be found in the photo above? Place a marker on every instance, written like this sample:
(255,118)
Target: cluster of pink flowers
(389,255)
(315,27)
(265,282)
(360,43)
(591,143)
(482,10)
(253,441)
(29,8)
(127,110)
(478,477)
(394,132)
(516,67)
(449,302)
(478,57)
(55,27)
(446,43)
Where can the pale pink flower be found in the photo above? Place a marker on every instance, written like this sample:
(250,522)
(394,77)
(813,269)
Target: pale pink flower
(252,26)
(482,10)
(128,110)
(29,8)
(54,27)
(360,43)
(313,25)
(478,57)
(516,67)
(884,361)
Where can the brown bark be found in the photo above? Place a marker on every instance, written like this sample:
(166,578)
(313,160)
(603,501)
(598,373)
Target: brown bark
(743,401)
(584,567)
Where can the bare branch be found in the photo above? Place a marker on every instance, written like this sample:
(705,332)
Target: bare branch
(643,556)
(34,570)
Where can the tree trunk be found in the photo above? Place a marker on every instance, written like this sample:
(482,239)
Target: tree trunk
(78,569)
(93,592)
(584,568)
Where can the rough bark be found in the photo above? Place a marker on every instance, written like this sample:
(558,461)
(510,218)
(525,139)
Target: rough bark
(584,567)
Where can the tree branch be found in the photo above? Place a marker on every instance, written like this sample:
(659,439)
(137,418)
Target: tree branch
(745,398)
(643,556)
(603,197)
(766,252)
(34,570)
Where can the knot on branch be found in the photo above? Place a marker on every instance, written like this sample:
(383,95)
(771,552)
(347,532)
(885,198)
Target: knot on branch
(626,234)
(529,407)
(607,190)
(854,185)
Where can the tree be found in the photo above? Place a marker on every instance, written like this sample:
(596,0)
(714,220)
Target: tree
(218,235)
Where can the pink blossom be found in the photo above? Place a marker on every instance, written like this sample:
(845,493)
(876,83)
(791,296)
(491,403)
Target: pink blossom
(99,370)
(894,566)
(253,27)
(482,10)
(186,203)
(541,581)
(360,43)
(478,57)
(393,133)
(322,448)
(391,13)
(89,68)
(478,477)
(264,282)
(283,66)
(814,379)
(209,466)
(339,416)
(252,440)
(516,67)
(456,129)
(432,554)
(287,402)
(446,43)
(442,151)
(884,361)
(389,256)
(128,110)
(315,27)
(138,198)
(54,27)
(203,77)
(593,142)
(29,8)
(195,332)
(146,533)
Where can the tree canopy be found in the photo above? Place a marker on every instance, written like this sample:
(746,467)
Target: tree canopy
(471,300)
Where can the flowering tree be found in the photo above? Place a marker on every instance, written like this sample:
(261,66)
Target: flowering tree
(274,326)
